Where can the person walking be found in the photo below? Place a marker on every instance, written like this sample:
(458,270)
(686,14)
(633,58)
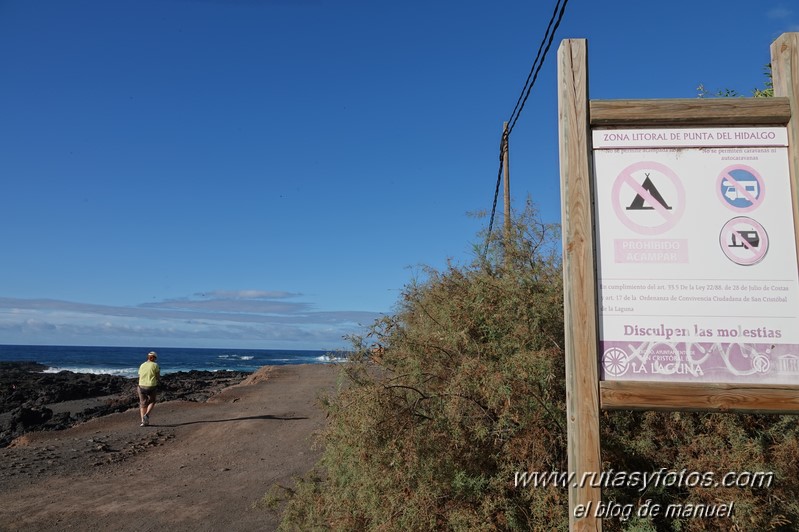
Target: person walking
(149,377)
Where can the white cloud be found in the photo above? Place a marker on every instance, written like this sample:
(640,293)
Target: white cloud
(779,13)
(257,322)
(247,294)
(252,306)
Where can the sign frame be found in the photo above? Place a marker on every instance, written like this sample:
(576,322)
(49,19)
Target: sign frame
(585,393)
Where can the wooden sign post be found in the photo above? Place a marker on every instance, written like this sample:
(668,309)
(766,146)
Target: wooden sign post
(670,231)
(576,182)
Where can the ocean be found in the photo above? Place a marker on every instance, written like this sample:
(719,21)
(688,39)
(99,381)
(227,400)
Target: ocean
(125,361)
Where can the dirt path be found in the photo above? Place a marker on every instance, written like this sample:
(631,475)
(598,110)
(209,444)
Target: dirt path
(199,466)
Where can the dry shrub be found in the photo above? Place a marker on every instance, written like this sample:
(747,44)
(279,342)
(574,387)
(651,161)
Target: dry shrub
(463,387)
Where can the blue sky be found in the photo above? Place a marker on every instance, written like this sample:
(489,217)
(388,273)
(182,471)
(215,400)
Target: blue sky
(271,173)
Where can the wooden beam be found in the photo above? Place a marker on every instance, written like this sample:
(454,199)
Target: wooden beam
(785,75)
(506,196)
(576,183)
(690,112)
(701,397)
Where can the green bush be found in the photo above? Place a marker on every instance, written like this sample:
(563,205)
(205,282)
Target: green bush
(463,387)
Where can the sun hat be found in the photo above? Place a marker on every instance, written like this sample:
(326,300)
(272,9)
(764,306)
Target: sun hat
(152,354)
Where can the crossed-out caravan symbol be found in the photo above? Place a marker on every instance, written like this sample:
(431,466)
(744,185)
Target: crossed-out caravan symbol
(648,198)
(744,241)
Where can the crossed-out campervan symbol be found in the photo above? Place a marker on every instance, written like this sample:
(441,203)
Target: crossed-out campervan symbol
(648,197)
(741,188)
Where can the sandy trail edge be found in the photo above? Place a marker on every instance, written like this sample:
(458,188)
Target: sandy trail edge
(200,466)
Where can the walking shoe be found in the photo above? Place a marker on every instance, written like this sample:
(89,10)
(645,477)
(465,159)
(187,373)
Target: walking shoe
(143,424)
(146,419)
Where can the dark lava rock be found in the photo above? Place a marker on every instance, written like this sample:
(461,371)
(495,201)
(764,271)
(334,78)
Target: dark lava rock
(22,383)
(31,416)
(25,392)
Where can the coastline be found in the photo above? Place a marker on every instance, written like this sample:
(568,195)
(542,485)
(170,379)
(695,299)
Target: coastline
(35,399)
(125,360)
(199,466)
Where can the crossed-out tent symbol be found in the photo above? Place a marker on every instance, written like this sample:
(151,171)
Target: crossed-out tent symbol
(648,197)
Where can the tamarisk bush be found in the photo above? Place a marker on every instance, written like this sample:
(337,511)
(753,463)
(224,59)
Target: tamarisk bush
(446,401)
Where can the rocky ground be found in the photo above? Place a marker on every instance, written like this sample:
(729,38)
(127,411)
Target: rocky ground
(31,400)
(201,465)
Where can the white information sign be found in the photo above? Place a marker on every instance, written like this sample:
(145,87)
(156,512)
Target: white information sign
(697,260)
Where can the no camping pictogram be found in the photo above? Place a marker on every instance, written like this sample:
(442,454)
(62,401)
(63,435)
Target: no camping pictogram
(648,198)
(744,241)
(741,188)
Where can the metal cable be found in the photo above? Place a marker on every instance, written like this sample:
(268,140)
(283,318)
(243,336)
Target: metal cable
(549,36)
(533,67)
(541,63)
